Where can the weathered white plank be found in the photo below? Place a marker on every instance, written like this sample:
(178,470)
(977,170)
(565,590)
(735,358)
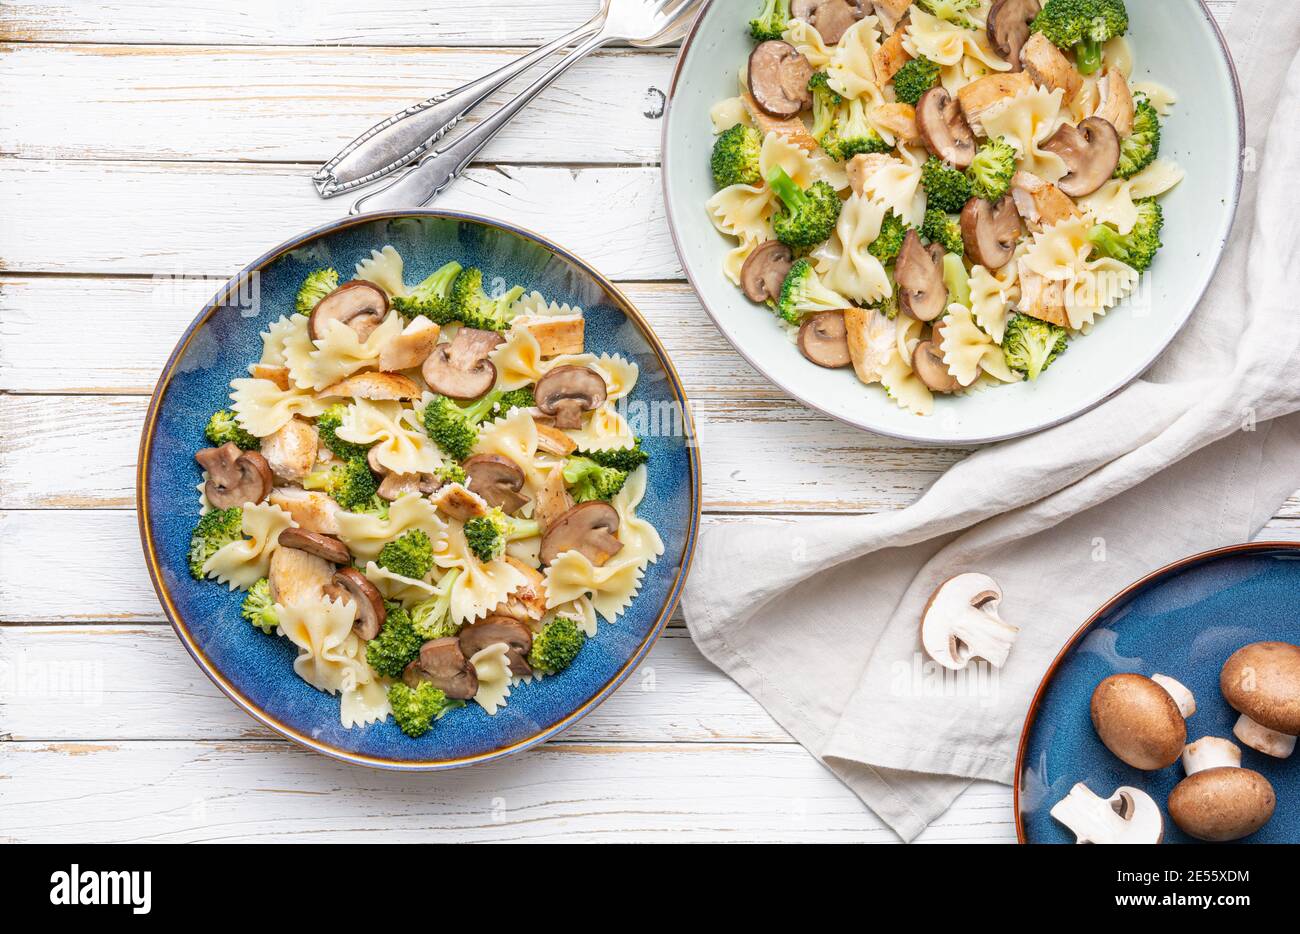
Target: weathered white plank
(122,683)
(304,104)
(203,218)
(562,792)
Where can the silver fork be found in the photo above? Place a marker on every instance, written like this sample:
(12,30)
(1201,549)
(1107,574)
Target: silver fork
(643,23)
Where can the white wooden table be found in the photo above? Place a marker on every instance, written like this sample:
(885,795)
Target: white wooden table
(142,140)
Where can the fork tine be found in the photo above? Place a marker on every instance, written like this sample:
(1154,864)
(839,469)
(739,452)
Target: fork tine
(680,18)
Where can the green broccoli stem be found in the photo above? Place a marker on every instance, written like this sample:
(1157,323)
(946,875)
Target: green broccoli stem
(791,195)
(1088,54)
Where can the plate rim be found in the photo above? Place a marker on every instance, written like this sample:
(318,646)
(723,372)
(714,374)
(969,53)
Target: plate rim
(1175,567)
(1220,249)
(153,564)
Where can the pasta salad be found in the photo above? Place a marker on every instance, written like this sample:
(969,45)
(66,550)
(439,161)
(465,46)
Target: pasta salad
(428,490)
(940,194)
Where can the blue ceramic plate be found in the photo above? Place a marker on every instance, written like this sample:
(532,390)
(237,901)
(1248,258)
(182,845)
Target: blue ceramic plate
(256,671)
(1183,621)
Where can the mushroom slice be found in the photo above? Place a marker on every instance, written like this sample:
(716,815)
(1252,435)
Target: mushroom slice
(1139,721)
(943,129)
(553,441)
(1116,102)
(927,363)
(990,231)
(1219,801)
(313,511)
(397,485)
(295,575)
(370,602)
(375,386)
(553,499)
(478,636)
(291,451)
(1261,681)
(326,547)
(498,480)
(235,477)
(1127,816)
(922,292)
(987,93)
(410,348)
(445,666)
(1008,27)
(831,18)
(1091,153)
(460,503)
(555,334)
(589,528)
(566,392)
(765,270)
(461,369)
(527,603)
(1049,68)
(778,79)
(961,622)
(824,339)
(360,305)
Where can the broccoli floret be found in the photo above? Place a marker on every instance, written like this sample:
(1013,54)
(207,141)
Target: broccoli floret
(432,617)
(886,246)
(943,229)
(556,646)
(628,459)
(826,104)
(957,279)
(1141,147)
(914,79)
(946,188)
(852,133)
(1084,26)
(806,218)
(515,399)
(351,485)
(487,535)
(315,287)
(431,298)
(223,428)
(888,306)
(1139,247)
(452,473)
(454,428)
(1030,346)
(803,293)
(410,555)
(259,608)
(951,11)
(416,708)
(473,306)
(588,480)
(772,22)
(991,171)
(215,529)
(735,157)
(397,645)
(328,424)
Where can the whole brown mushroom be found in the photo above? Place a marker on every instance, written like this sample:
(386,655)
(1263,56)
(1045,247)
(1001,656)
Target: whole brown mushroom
(1220,801)
(1261,681)
(1140,721)
(235,477)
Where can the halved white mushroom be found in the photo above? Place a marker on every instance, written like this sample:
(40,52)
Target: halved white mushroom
(1128,816)
(961,622)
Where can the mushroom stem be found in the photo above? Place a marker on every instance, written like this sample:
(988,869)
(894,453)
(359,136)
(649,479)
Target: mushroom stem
(1127,816)
(1210,752)
(1178,691)
(983,635)
(1262,739)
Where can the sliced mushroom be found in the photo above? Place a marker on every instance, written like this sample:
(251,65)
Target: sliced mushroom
(1008,27)
(765,270)
(235,477)
(831,18)
(461,369)
(1130,815)
(778,79)
(478,636)
(961,623)
(824,339)
(927,363)
(360,305)
(566,392)
(397,485)
(295,575)
(498,480)
(1090,152)
(589,528)
(291,451)
(922,292)
(314,543)
(944,129)
(990,231)
(370,602)
(410,348)
(445,666)
(374,385)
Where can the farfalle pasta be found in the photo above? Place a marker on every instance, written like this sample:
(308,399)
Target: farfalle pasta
(401,472)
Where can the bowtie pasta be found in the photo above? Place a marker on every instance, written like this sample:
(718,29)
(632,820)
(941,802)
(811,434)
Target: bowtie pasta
(430,491)
(966,184)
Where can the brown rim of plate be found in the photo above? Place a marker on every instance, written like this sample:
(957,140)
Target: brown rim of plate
(624,305)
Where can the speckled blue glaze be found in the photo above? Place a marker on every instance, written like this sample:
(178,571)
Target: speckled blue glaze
(256,670)
(1184,623)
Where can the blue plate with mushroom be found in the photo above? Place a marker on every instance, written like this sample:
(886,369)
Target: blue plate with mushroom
(1172,714)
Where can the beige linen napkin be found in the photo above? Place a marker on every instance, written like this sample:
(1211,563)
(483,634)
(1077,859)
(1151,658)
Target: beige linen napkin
(822,625)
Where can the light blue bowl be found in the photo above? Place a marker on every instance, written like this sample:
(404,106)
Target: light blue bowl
(256,671)
(1182,621)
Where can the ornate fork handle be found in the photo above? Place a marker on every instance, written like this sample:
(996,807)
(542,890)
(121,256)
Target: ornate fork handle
(441,167)
(406,136)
